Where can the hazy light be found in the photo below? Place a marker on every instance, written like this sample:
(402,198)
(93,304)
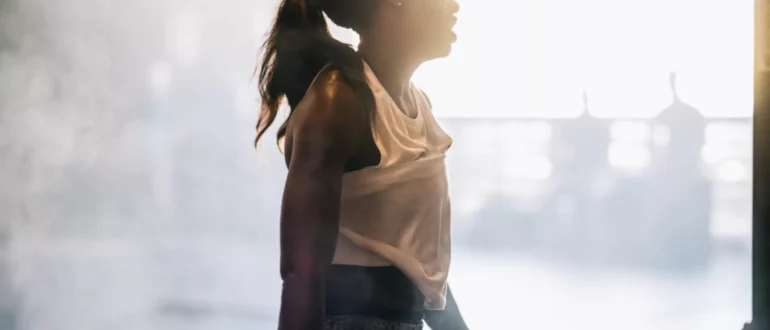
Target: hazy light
(728,132)
(529,168)
(629,156)
(524,131)
(733,171)
(117,263)
(160,77)
(184,35)
(470,203)
(631,131)
(725,141)
(246,99)
(539,131)
(713,153)
(621,53)
(661,135)
(566,205)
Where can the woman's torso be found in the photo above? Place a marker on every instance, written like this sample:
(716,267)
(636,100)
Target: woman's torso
(393,248)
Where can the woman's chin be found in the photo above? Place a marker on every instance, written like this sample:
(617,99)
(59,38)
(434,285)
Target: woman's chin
(444,51)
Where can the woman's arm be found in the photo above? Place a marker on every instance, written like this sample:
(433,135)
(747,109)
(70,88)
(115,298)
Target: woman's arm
(325,133)
(447,319)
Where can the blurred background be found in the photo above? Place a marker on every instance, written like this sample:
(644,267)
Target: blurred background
(600,177)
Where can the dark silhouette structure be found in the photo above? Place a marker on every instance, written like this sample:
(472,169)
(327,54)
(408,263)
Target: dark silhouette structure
(761,206)
(761,189)
(588,139)
(581,163)
(680,192)
(685,125)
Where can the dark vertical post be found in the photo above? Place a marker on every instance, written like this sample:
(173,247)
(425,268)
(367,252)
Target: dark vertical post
(761,192)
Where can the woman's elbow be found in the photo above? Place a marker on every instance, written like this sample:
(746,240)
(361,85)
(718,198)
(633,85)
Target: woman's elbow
(301,270)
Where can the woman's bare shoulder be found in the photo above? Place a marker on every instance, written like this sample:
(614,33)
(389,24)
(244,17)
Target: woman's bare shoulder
(331,116)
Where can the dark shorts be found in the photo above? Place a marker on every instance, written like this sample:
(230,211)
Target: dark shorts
(346,312)
(366,323)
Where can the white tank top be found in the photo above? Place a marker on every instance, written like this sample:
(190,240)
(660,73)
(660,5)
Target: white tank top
(397,213)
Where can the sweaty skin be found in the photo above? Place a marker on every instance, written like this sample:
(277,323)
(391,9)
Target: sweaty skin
(324,133)
(327,136)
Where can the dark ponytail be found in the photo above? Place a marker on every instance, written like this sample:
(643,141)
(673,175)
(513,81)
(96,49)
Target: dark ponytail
(297,48)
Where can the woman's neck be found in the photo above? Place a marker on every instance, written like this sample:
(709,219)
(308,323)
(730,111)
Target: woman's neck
(391,68)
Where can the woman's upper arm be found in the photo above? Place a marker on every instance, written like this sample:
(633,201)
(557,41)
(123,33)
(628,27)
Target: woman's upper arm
(328,124)
(326,130)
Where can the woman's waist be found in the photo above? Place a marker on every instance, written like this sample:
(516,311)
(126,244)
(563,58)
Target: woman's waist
(358,290)
(415,251)
(420,266)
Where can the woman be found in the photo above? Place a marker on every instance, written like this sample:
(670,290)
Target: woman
(365,240)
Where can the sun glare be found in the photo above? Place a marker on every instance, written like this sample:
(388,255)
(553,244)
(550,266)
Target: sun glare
(535,58)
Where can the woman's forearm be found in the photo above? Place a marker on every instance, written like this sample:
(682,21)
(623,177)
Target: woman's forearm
(301,303)
(309,227)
